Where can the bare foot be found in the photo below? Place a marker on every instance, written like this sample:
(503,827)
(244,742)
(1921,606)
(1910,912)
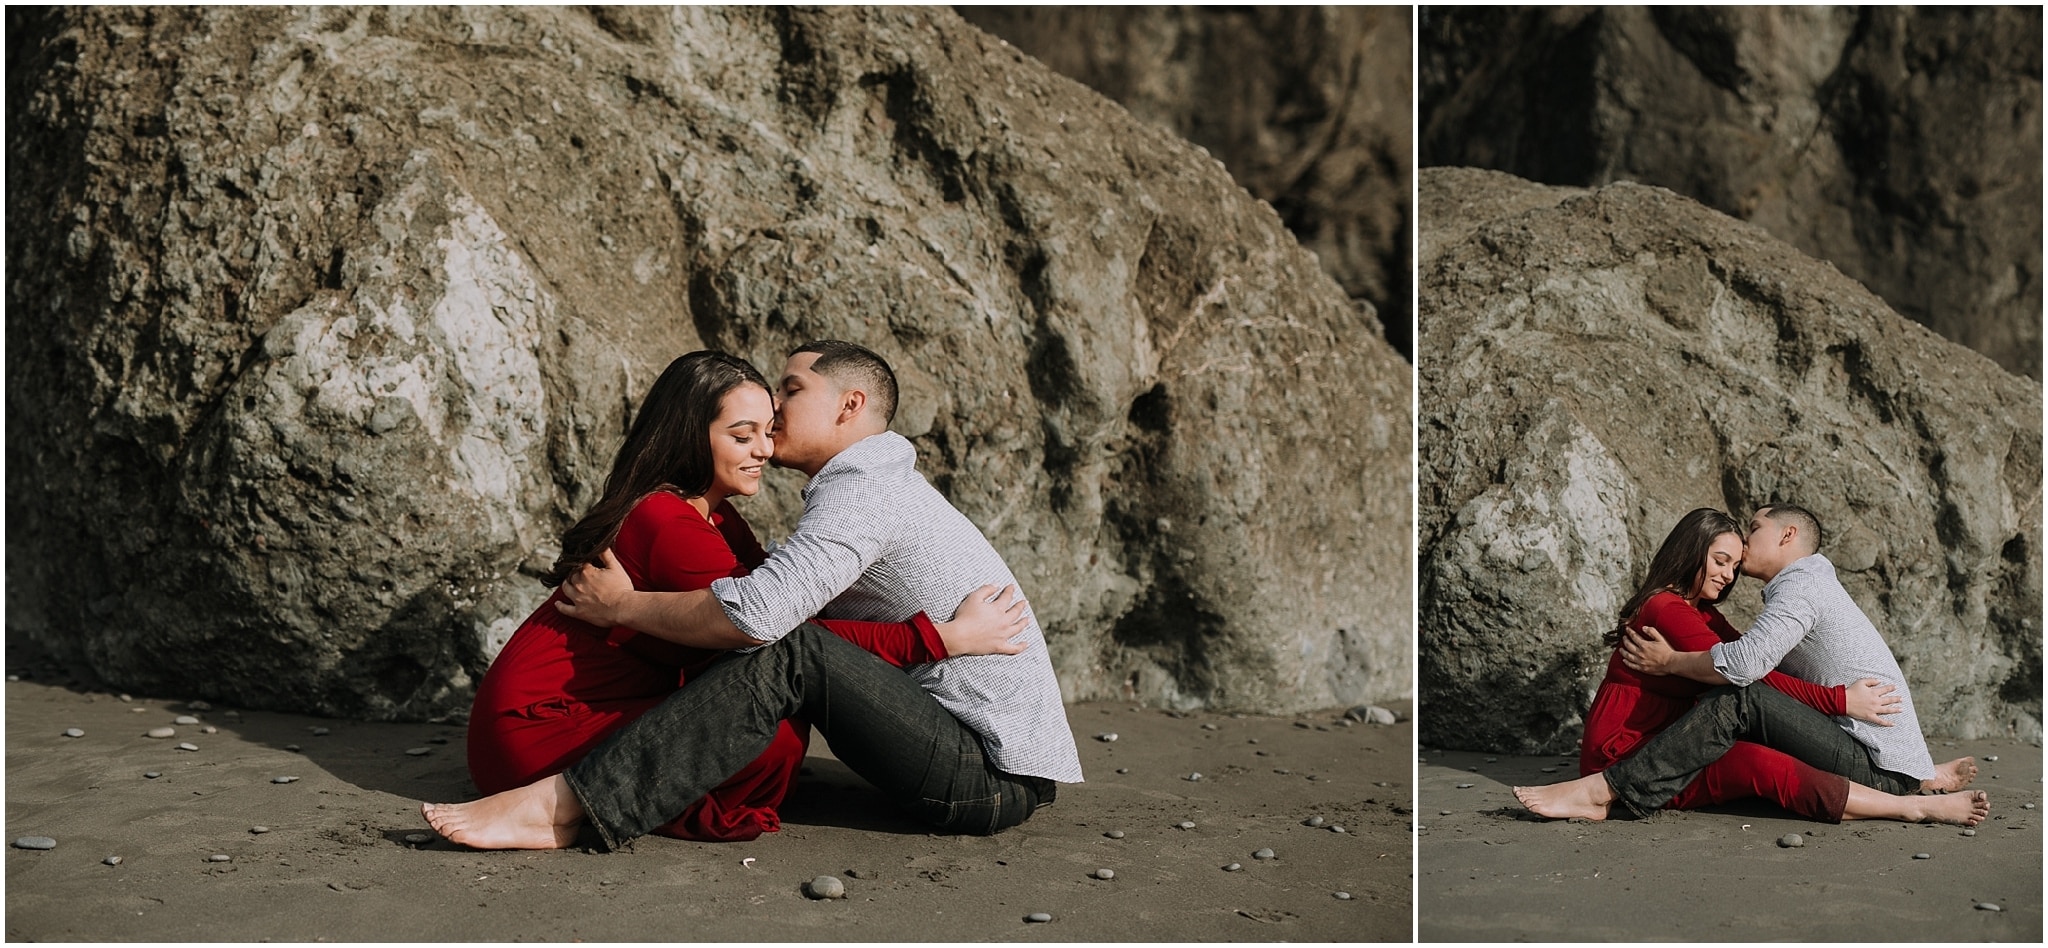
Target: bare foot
(540,815)
(1952,776)
(1962,809)
(1583,799)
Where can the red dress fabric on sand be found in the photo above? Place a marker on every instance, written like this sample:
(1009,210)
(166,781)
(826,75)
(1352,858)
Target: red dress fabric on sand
(561,685)
(1631,707)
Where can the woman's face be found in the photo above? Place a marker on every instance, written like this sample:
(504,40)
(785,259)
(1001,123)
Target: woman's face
(740,443)
(1724,560)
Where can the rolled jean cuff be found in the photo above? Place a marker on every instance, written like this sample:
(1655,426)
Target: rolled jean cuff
(592,818)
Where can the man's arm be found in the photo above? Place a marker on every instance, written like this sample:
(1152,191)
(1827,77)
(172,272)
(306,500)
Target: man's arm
(603,595)
(1786,618)
(1647,652)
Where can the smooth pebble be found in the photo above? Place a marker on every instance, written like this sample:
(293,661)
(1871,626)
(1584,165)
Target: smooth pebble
(1197,775)
(35,842)
(1123,770)
(1209,727)
(1443,813)
(1493,760)
(282,779)
(294,748)
(1282,770)
(1343,896)
(151,774)
(198,706)
(1312,821)
(1105,873)
(1791,841)
(1115,834)
(826,887)
(320,732)
(73,732)
(419,751)
(112,860)
(209,729)
(220,857)
(1186,824)
(184,719)
(161,732)
(1263,854)
(259,830)
(1106,736)
(418,839)
(1991,757)
(1988,907)
(1969,832)
(1464,786)
(1233,867)
(1923,855)
(2026,806)
(1338,829)
(1038,917)
(188,746)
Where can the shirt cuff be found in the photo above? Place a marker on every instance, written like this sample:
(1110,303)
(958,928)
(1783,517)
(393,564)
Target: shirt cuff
(1721,665)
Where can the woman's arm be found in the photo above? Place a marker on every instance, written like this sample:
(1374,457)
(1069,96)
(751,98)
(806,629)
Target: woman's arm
(1685,629)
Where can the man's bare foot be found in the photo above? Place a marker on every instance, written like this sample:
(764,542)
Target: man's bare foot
(1583,799)
(1962,809)
(1952,776)
(540,815)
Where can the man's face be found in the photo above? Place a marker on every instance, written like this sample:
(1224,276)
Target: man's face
(1762,550)
(806,412)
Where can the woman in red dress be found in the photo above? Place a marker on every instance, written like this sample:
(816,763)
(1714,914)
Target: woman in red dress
(561,686)
(1692,571)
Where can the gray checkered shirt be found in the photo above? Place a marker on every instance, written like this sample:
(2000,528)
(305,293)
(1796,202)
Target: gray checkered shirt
(878,543)
(1811,629)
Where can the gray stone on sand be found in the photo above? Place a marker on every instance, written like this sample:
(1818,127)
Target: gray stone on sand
(1210,727)
(1038,917)
(1338,829)
(35,842)
(1186,824)
(294,748)
(1115,834)
(1197,775)
(1312,821)
(209,729)
(1105,873)
(1923,855)
(1988,907)
(1106,736)
(152,774)
(826,887)
(283,779)
(1123,770)
(73,732)
(187,746)
(1264,854)
(418,751)
(1791,841)
(220,857)
(1969,832)
(198,706)
(259,830)
(1464,786)
(161,732)
(184,719)
(1233,867)
(111,861)
(1991,757)
(320,732)
(419,839)
(1342,896)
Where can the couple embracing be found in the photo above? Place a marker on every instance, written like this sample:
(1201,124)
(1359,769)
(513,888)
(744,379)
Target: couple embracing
(1808,709)
(671,681)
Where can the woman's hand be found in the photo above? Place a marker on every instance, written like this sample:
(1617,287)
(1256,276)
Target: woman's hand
(597,593)
(985,623)
(1869,700)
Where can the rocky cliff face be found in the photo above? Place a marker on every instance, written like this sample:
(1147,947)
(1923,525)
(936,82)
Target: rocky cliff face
(323,322)
(1596,363)
(1902,144)
(1309,108)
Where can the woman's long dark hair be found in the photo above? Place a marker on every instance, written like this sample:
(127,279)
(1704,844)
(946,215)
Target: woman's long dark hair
(668,448)
(1679,561)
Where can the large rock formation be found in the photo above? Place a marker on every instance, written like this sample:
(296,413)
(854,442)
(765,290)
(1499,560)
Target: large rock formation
(1309,108)
(1902,144)
(1594,364)
(323,322)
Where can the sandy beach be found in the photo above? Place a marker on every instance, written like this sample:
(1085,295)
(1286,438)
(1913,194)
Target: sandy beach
(336,863)
(1490,872)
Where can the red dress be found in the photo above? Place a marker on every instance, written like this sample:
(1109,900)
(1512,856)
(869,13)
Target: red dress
(561,685)
(1631,707)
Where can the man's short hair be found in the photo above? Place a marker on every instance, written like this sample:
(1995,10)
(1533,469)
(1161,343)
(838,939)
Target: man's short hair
(1796,516)
(854,366)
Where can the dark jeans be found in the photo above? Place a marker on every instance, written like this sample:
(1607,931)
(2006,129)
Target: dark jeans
(880,722)
(1664,764)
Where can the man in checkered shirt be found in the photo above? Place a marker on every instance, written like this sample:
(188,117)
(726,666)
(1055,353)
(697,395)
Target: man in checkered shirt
(973,744)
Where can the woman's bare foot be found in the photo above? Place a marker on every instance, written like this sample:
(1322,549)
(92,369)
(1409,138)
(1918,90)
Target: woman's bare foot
(1952,776)
(1583,799)
(1962,809)
(540,815)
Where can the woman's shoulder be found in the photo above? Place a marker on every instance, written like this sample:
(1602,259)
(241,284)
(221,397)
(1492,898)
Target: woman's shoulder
(665,505)
(1664,602)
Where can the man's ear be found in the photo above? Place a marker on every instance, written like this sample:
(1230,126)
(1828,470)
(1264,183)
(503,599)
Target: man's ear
(851,403)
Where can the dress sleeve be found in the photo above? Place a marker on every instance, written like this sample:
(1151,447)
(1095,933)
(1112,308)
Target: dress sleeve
(1686,629)
(901,644)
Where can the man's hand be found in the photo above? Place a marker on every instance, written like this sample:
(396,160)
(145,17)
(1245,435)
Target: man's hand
(985,623)
(1870,700)
(597,593)
(1646,651)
